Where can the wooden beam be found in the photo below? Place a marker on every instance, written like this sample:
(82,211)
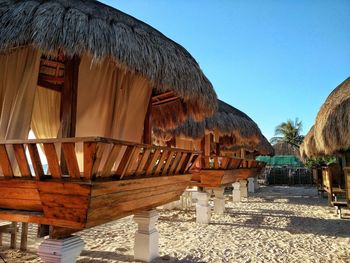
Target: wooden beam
(147,127)
(69,98)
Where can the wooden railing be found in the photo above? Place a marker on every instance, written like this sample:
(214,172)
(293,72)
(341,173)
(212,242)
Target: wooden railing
(228,163)
(90,159)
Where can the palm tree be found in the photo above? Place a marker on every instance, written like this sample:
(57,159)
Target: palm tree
(289,132)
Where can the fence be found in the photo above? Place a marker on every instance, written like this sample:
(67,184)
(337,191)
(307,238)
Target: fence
(288,176)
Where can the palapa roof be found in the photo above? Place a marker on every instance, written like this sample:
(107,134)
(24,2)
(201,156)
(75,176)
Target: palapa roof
(332,126)
(308,147)
(89,27)
(265,147)
(284,148)
(234,126)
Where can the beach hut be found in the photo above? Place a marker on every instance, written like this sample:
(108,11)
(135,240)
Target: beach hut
(226,140)
(90,81)
(331,133)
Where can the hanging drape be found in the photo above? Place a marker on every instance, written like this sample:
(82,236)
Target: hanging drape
(18,81)
(111,102)
(46,113)
(19,70)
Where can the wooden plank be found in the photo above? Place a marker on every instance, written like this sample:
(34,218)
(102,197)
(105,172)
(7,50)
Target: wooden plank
(64,188)
(5,162)
(175,163)
(124,163)
(170,159)
(68,201)
(24,237)
(191,161)
(132,195)
(37,218)
(104,188)
(181,162)
(161,163)
(152,162)
(216,162)
(119,210)
(36,162)
(22,161)
(141,166)
(18,193)
(76,215)
(21,204)
(90,149)
(111,159)
(18,183)
(52,160)
(70,157)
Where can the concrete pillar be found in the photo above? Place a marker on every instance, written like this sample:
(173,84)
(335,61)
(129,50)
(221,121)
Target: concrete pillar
(61,250)
(219,201)
(251,185)
(256,183)
(146,237)
(236,192)
(244,190)
(203,210)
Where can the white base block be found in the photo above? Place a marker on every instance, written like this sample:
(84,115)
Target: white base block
(251,185)
(236,192)
(219,201)
(146,237)
(219,206)
(244,189)
(203,210)
(61,250)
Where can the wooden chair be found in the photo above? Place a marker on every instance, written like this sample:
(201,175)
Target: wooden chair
(11,228)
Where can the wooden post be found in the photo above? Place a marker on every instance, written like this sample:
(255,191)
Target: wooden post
(24,236)
(147,127)
(13,235)
(69,98)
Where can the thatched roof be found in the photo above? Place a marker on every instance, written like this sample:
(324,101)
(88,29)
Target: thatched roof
(332,126)
(308,147)
(90,27)
(234,127)
(283,148)
(265,147)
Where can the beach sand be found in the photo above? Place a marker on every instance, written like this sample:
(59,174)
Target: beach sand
(276,224)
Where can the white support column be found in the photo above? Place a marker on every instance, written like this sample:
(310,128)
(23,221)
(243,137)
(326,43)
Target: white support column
(203,210)
(219,201)
(236,192)
(251,185)
(146,237)
(256,183)
(64,250)
(244,190)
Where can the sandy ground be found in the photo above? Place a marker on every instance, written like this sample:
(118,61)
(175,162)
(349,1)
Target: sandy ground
(277,224)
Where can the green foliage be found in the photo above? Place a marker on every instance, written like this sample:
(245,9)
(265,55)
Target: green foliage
(317,162)
(289,132)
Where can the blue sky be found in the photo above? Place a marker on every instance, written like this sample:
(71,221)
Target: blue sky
(272,59)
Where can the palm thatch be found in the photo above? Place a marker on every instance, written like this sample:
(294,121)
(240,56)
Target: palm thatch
(235,128)
(89,27)
(265,147)
(308,147)
(332,126)
(284,148)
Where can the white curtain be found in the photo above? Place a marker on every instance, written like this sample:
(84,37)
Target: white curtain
(46,113)
(18,81)
(111,102)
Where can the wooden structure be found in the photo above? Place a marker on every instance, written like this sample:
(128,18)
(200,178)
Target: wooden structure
(330,136)
(229,141)
(93,180)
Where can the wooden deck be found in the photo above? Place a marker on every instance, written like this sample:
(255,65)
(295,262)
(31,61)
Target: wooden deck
(89,181)
(220,171)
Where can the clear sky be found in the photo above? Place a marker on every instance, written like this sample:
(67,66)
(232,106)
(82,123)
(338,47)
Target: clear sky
(272,59)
